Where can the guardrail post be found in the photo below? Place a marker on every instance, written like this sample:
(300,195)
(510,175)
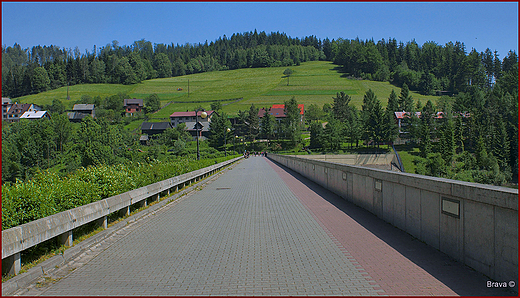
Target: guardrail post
(103,221)
(125,211)
(12,265)
(65,238)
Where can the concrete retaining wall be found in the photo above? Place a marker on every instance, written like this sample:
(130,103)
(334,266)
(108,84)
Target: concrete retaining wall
(60,225)
(474,223)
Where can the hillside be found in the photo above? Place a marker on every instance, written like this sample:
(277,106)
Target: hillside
(311,82)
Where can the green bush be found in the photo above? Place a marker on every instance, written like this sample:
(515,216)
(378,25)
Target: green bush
(48,193)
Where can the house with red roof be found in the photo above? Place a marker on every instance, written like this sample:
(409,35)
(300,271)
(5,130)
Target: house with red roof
(278,111)
(439,117)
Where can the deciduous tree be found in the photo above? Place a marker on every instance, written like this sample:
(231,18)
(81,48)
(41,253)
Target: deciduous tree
(152,103)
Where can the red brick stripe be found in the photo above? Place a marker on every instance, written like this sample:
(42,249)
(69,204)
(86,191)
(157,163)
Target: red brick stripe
(388,268)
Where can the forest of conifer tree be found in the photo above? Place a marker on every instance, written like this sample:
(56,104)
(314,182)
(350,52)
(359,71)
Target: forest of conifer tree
(426,69)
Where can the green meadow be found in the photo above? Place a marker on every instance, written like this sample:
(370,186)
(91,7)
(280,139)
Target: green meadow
(311,82)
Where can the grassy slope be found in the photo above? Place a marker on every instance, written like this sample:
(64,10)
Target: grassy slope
(312,82)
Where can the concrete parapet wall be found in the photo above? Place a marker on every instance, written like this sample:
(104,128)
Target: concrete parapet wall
(475,224)
(354,159)
(20,238)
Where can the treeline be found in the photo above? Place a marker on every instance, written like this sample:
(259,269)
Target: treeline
(32,71)
(425,69)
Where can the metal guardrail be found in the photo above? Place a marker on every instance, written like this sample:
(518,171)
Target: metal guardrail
(401,167)
(60,225)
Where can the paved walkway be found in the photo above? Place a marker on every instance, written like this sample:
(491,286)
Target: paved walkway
(262,230)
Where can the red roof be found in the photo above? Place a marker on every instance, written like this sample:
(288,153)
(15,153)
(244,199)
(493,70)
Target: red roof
(401,115)
(283,107)
(189,114)
(278,111)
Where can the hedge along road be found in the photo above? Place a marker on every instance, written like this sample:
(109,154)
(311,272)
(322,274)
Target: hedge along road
(261,230)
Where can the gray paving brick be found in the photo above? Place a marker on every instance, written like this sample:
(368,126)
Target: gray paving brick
(245,233)
(248,233)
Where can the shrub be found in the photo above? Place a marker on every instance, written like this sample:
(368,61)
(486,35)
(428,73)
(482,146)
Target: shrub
(48,193)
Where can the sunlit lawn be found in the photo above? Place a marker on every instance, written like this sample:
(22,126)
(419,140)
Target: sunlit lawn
(311,82)
(407,155)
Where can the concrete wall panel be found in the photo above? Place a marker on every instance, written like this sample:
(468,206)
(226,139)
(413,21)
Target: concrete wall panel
(430,216)
(388,202)
(338,182)
(400,206)
(488,194)
(479,242)
(320,175)
(350,187)
(377,191)
(358,189)
(368,194)
(506,244)
(333,183)
(451,239)
(413,211)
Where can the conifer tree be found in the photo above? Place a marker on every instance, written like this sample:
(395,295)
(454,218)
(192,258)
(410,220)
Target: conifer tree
(378,120)
(267,127)
(447,142)
(292,121)
(366,114)
(254,122)
(501,143)
(459,133)
(340,106)
(332,137)
(316,130)
(405,99)
(393,104)
(353,127)
(373,118)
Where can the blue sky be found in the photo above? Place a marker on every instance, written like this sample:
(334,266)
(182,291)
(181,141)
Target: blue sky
(478,25)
